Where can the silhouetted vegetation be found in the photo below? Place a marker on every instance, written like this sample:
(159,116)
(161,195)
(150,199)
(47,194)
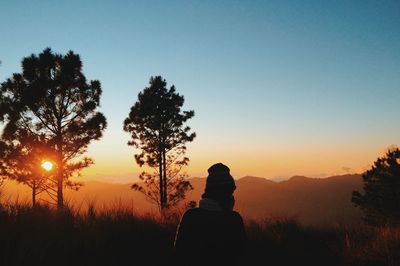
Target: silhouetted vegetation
(156,124)
(381,200)
(21,161)
(118,236)
(44,236)
(51,101)
(2,163)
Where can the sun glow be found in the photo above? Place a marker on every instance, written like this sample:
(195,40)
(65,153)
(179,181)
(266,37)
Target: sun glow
(46,165)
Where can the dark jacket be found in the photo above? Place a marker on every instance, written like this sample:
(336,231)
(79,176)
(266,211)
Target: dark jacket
(207,237)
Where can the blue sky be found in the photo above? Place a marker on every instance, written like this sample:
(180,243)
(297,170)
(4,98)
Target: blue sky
(278,87)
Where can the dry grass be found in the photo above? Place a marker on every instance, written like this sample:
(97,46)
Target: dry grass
(118,235)
(372,246)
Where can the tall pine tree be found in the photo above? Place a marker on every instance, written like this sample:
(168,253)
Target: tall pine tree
(157,127)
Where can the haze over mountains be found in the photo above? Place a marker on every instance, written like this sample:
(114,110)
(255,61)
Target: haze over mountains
(315,201)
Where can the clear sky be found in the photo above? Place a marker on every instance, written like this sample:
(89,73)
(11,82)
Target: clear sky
(279,88)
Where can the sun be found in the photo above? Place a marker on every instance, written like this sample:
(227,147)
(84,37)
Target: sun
(46,165)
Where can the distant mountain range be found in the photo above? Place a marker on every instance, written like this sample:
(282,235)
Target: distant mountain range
(315,201)
(310,200)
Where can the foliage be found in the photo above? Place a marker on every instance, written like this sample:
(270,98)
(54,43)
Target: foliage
(381,199)
(41,236)
(112,236)
(52,100)
(156,125)
(21,161)
(177,184)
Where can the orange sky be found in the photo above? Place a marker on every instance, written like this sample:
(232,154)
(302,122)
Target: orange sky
(275,160)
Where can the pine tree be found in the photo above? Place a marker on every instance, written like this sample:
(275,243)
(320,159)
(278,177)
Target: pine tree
(52,100)
(381,199)
(156,124)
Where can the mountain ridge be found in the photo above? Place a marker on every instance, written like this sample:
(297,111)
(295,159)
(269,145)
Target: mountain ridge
(310,200)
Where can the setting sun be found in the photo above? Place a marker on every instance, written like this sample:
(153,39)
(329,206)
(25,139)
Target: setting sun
(47,165)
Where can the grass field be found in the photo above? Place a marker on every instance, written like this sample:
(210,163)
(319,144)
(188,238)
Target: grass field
(118,236)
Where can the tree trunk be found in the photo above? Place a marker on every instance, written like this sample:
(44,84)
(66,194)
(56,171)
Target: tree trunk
(165,179)
(60,174)
(161,179)
(60,197)
(34,193)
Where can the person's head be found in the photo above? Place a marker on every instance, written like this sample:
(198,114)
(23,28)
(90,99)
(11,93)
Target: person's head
(220,186)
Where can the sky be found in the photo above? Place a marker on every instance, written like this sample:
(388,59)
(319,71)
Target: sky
(279,88)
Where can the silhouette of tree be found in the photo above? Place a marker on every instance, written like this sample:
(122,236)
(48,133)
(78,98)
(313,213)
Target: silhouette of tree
(381,199)
(21,161)
(177,185)
(52,100)
(156,124)
(2,164)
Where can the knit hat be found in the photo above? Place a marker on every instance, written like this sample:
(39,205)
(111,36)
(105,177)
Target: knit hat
(220,178)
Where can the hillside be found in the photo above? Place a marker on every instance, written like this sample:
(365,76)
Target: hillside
(310,200)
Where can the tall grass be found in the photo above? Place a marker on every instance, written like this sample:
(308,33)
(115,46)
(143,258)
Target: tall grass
(113,236)
(283,241)
(117,235)
(372,246)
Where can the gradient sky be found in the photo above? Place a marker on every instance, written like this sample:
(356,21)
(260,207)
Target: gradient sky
(279,88)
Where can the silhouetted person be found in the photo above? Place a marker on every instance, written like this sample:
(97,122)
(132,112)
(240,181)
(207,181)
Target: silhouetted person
(212,234)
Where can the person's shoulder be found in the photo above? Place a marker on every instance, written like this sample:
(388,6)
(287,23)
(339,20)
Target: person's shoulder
(195,212)
(235,215)
(192,212)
